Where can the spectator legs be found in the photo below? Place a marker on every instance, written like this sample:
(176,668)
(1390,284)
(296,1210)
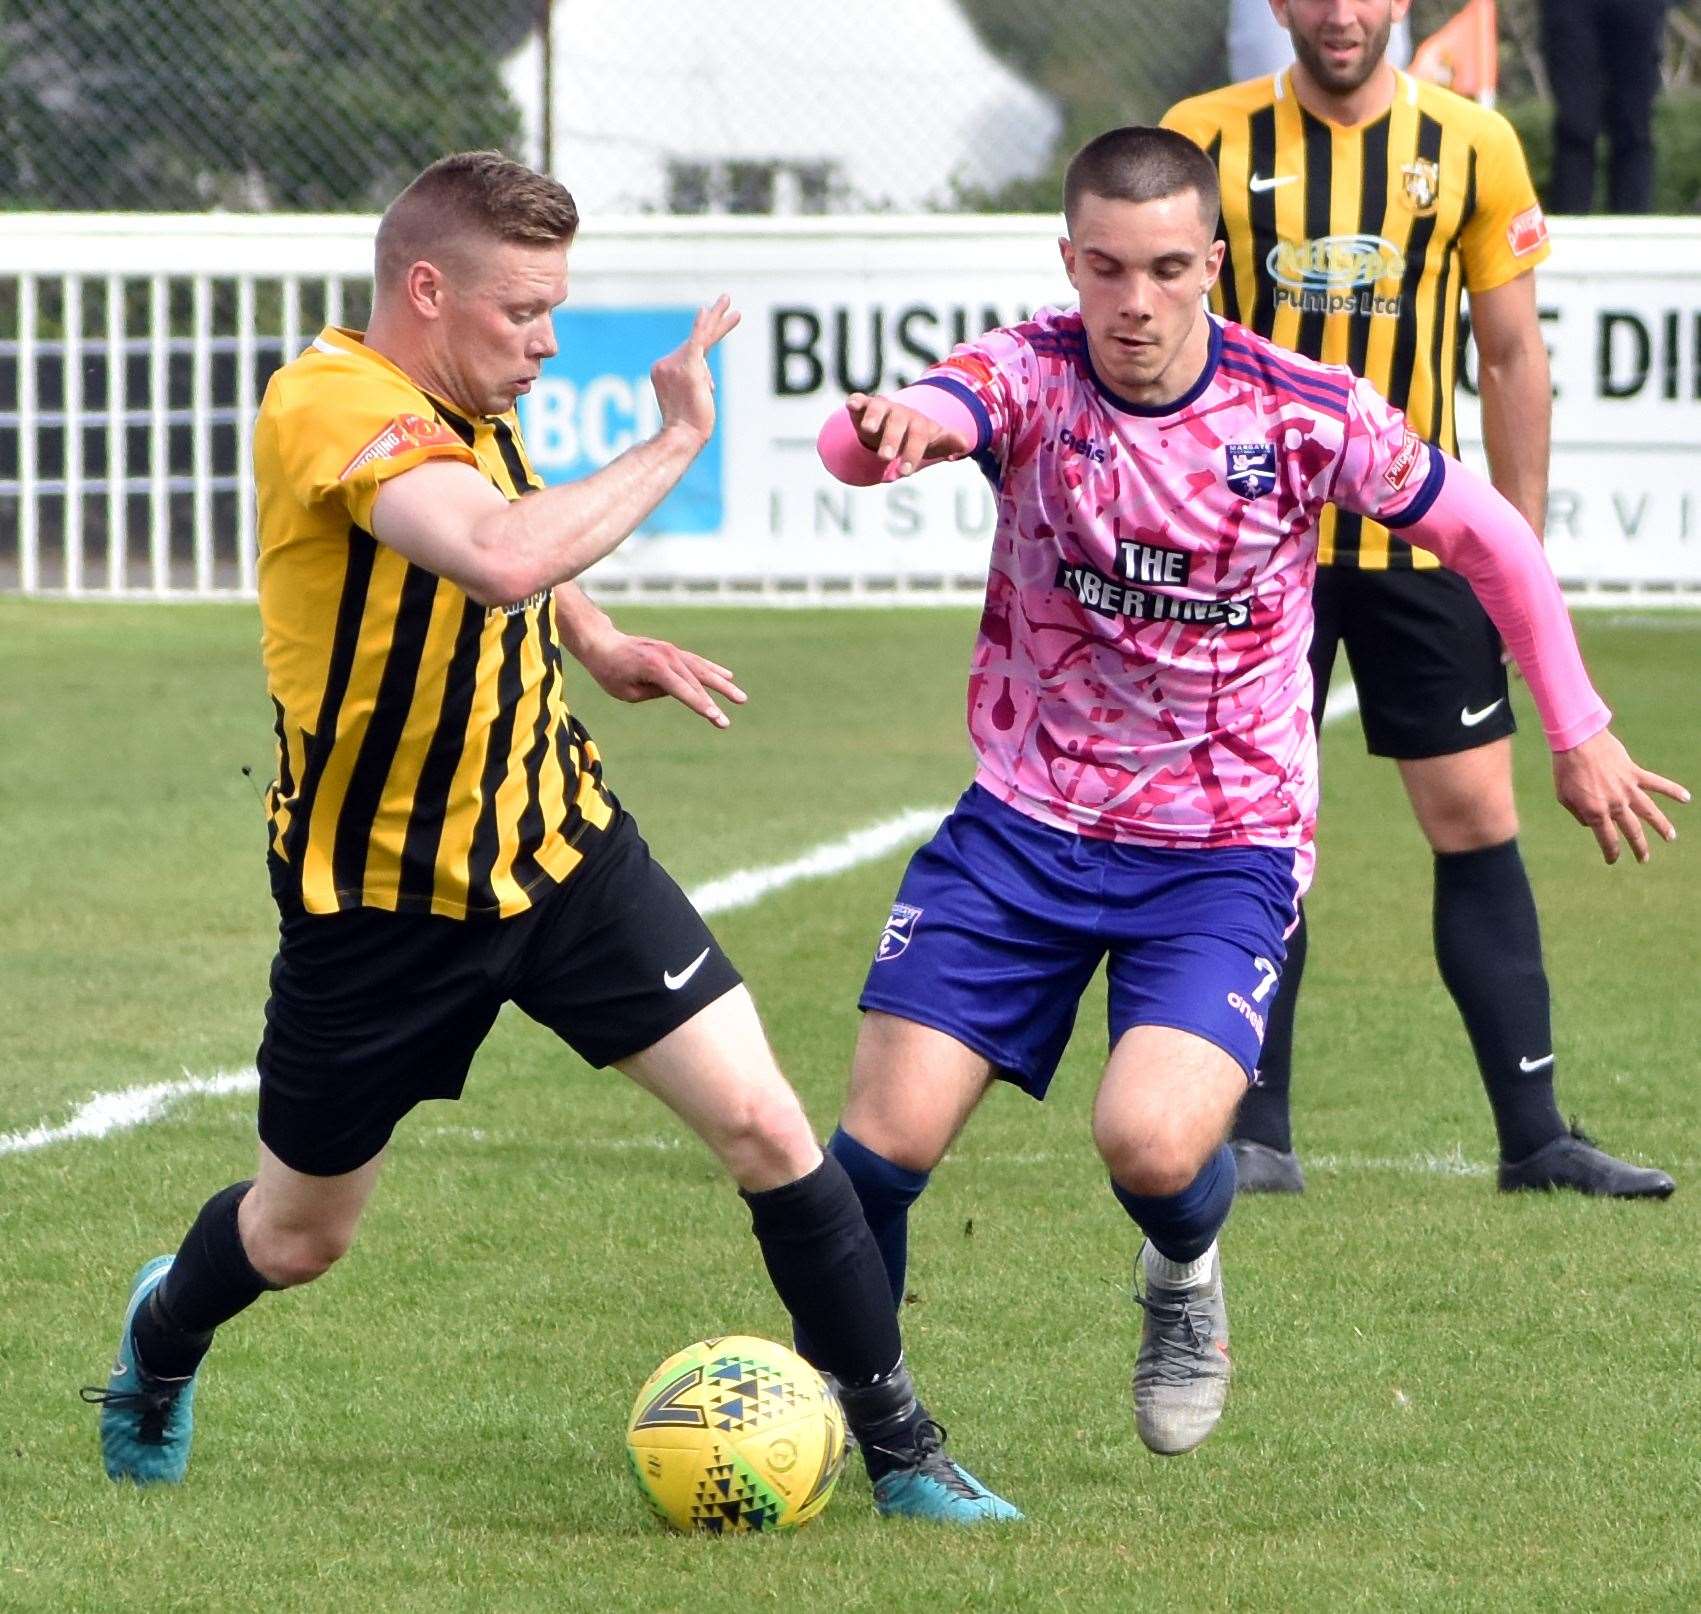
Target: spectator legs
(1630,56)
(1603,64)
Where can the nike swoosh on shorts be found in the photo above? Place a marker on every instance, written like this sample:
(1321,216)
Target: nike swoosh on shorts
(674,982)
(1470,719)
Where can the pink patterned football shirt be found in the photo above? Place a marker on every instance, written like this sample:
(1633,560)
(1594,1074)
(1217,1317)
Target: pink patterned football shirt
(1140,673)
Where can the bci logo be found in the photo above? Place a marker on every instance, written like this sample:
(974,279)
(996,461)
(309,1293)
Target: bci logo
(593,401)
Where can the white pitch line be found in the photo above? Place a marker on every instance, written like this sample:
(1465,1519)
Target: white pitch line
(128,1107)
(745,887)
(107,1113)
(1343,703)
(1451,1164)
(1423,1163)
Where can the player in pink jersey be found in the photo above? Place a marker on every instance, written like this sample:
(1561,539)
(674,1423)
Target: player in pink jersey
(1139,703)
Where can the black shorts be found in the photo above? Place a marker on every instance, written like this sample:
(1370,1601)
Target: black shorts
(1423,653)
(371,1012)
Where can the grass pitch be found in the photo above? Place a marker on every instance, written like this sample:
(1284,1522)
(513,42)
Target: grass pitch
(1443,1398)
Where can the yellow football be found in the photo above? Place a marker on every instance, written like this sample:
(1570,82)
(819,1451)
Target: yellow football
(735,1434)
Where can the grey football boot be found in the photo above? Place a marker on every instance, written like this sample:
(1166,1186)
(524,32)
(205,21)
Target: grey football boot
(1259,1169)
(1181,1376)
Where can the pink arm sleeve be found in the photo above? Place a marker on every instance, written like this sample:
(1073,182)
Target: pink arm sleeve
(843,454)
(1476,532)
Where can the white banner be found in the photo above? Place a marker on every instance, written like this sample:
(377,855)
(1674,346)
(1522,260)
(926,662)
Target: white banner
(826,311)
(836,307)
(830,305)
(1620,305)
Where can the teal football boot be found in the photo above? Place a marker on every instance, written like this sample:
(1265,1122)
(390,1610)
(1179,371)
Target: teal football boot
(929,1485)
(904,1452)
(145,1423)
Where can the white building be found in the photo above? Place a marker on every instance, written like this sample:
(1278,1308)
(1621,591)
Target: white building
(777,106)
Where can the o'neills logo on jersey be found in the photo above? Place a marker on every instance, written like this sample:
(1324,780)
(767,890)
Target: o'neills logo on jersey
(1336,274)
(403,433)
(1109,596)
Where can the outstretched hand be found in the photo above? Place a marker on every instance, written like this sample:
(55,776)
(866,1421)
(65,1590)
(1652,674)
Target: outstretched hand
(894,431)
(632,668)
(1600,784)
(684,388)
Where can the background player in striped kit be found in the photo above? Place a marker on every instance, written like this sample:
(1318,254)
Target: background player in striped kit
(442,841)
(1357,204)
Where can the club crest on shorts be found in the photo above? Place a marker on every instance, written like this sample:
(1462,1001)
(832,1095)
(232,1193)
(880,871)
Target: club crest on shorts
(1251,468)
(899,928)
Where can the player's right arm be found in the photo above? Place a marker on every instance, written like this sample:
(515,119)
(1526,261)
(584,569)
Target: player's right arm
(970,402)
(444,516)
(1503,240)
(1516,391)
(875,438)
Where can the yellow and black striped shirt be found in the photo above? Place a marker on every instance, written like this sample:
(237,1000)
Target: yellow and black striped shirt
(1352,245)
(427,761)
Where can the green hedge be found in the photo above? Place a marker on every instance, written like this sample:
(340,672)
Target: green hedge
(1677,149)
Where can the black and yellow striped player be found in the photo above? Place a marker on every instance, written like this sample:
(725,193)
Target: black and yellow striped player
(1358,205)
(442,841)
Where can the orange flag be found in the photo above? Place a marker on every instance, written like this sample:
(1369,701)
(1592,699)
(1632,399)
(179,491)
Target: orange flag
(1464,53)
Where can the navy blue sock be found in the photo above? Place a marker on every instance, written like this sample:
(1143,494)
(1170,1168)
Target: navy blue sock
(886,1191)
(1181,1226)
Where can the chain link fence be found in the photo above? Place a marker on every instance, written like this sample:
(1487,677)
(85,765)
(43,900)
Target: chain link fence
(128,374)
(638,105)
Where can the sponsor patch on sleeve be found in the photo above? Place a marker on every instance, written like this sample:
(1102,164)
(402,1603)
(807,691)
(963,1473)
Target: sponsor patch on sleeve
(1399,473)
(1527,232)
(970,366)
(403,434)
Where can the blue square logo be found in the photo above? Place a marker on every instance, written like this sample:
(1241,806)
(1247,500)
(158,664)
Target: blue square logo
(593,401)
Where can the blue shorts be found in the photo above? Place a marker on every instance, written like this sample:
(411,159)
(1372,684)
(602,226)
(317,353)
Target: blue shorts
(1001,921)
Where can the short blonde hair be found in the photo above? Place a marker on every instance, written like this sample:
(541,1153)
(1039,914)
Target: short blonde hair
(472,193)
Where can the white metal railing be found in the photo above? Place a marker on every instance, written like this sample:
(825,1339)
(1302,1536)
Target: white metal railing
(130,466)
(133,349)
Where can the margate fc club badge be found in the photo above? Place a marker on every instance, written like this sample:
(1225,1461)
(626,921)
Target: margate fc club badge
(899,929)
(1421,181)
(1251,468)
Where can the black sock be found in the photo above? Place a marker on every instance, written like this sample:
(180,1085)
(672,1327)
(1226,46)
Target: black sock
(885,1191)
(1263,1115)
(1489,949)
(827,1270)
(209,1283)
(886,1417)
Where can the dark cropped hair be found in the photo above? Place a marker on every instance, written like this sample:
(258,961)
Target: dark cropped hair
(1137,164)
(472,193)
